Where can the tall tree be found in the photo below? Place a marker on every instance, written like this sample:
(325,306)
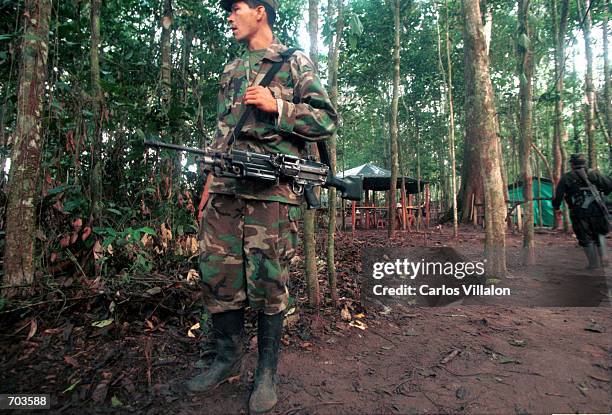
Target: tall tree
(448,80)
(26,149)
(171,165)
(97,108)
(589,86)
(393,125)
(607,79)
(559,24)
(310,254)
(334,52)
(525,73)
(480,115)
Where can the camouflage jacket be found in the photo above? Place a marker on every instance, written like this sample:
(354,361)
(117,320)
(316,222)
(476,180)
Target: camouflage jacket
(305,114)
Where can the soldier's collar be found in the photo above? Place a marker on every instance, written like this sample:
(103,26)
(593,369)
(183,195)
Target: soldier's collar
(274,51)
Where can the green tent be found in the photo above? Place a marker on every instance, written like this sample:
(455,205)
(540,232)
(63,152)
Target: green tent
(515,193)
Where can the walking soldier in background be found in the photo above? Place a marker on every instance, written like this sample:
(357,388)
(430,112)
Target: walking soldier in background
(581,189)
(248,232)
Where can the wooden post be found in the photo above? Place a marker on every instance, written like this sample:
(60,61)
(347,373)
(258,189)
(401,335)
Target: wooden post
(343,215)
(353,211)
(367,212)
(474,212)
(519,218)
(403,203)
(427,195)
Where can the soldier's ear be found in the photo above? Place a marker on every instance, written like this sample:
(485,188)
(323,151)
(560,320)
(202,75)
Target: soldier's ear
(261,13)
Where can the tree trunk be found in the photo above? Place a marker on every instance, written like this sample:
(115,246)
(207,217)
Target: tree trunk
(393,126)
(97,110)
(480,114)
(333,96)
(170,165)
(451,125)
(166,50)
(188,40)
(589,88)
(310,253)
(607,81)
(26,151)
(559,29)
(525,72)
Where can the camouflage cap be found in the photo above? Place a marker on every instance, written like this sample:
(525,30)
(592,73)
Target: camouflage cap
(577,159)
(227,4)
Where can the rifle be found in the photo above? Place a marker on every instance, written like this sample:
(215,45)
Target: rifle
(582,173)
(304,174)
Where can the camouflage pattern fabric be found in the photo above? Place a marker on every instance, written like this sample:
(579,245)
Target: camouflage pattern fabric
(305,115)
(246,247)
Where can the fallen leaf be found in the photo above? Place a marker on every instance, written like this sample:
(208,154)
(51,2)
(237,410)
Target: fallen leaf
(154,290)
(33,328)
(345,314)
(190,331)
(102,323)
(517,343)
(450,356)
(504,360)
(193,276)
(358,324)
(71,387)
(99,393)
(115,401)
(98,251)
(360,315)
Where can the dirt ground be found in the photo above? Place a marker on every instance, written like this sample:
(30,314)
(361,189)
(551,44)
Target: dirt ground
(473,359)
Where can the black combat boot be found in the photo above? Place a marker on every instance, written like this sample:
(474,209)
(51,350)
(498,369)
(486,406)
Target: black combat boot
(269,329)
(228,328)
(591,253)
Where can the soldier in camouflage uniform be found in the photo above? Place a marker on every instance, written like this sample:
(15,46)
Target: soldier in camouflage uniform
(590,224)
(249,229)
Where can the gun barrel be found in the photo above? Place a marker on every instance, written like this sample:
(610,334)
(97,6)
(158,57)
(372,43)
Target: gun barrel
(160,144)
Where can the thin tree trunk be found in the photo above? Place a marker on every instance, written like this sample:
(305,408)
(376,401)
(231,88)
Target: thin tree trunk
(98,109)
(589,87)
(393,126)
(170,165)
(525,72)
(607,80)
(310,254)
(480,113)
(26,150)
(559,29)
(451,126)
(331,224)
(166,58)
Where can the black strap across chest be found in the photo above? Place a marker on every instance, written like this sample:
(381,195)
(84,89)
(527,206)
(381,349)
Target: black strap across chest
(264,82)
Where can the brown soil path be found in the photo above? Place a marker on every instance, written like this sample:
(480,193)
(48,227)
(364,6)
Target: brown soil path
(471,359)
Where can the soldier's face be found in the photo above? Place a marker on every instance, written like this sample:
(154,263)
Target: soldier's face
(243,20)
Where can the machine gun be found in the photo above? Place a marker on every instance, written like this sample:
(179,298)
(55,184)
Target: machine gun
(304,174)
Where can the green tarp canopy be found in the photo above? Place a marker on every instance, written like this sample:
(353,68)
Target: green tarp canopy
(515,193)
(376,178)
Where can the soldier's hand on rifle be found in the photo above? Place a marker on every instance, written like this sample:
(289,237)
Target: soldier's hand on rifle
(262,98)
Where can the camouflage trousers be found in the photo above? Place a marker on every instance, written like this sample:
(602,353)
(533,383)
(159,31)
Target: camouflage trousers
(246,247)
